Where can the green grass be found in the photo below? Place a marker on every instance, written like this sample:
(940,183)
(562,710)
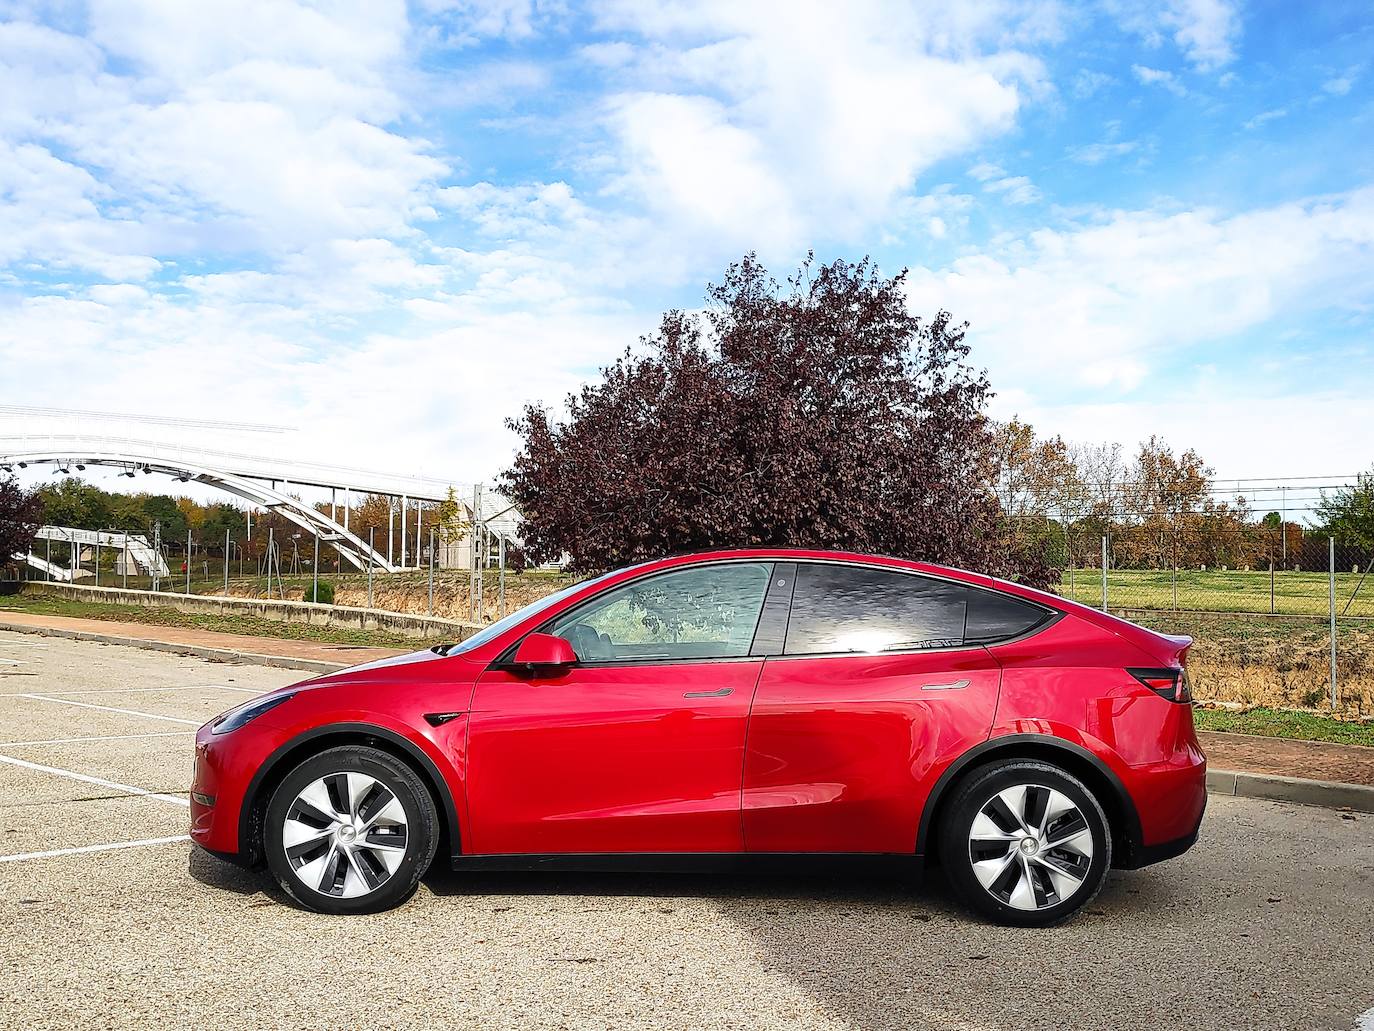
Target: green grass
(227,624)
(1302,726)
(1221,590)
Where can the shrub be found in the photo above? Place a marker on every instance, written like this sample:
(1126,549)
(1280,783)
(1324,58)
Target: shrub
(325,595)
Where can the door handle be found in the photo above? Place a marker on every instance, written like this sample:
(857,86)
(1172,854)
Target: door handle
(709,694)
(956,686)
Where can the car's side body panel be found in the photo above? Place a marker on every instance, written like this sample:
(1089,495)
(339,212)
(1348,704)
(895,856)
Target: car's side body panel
(634,757)
(1070,682)
(844,749)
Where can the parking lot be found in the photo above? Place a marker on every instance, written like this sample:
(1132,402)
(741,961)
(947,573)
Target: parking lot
(109,917)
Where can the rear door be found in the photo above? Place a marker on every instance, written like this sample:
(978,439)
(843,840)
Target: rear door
(640,746)
(874,693)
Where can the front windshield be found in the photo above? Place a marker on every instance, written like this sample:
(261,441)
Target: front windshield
(518,616)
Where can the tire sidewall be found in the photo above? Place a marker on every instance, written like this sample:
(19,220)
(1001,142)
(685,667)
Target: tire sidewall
(410,792)
(954,850)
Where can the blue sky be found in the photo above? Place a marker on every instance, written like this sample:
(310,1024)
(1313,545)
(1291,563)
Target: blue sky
(392,224)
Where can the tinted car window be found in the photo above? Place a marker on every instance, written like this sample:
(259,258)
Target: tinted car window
(837,608)
(705,612)
(995,617)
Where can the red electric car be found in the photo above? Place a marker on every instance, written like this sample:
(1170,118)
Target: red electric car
(736,709)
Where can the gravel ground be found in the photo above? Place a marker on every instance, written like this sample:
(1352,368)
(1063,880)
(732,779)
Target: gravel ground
(1268,923)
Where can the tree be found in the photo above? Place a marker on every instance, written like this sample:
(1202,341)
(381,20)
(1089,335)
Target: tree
(21,513)
(1348,513)
(823,414)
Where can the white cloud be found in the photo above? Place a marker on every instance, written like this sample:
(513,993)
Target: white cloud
(1340,85)
(1014,189)
(1158,77)
(807,120)
(1264,117)
(1088,82)
(1108,300)
(1096,153)
(1206,31)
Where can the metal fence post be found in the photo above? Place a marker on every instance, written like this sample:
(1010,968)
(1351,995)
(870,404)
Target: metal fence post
(315,573)
(226,563)
(1331,542)
(47,561)
(501,588)
(431,570)
(1271,587)
(370,531)
(97,558)
(1174,563)
(126,560)
(1104,572)
(188,561)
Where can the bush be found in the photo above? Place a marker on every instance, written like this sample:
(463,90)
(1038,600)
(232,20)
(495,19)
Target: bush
(325,595)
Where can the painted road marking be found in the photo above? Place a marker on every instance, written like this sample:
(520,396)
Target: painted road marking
(103,737)
(112,708)
(114,785)
(140,690)
(110,847)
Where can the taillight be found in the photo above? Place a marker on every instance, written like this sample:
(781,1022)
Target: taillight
(1166,681)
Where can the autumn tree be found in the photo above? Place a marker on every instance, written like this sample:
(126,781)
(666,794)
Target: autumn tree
(21,513)
(1348,513)
(819,413)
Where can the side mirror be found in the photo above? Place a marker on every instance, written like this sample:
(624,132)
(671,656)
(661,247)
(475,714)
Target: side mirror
(545,650)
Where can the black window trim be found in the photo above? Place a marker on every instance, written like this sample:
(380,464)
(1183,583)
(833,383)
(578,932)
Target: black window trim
(1051,616)
(505,661)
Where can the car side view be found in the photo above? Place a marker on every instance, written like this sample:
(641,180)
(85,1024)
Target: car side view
(731,710)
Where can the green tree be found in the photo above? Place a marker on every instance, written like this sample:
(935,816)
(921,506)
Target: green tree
(1348,513)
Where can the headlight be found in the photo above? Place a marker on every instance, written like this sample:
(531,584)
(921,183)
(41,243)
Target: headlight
(235,718)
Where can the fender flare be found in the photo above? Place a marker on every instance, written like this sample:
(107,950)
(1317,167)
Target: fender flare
(994,747)
(428,770)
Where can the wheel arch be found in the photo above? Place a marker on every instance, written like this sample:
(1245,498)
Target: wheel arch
(1074,759)
(301,747)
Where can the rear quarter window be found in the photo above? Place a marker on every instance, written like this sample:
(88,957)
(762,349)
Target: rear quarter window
(997,617)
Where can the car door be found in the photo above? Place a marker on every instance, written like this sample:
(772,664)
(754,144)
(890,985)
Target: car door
(874,692)
(638,747)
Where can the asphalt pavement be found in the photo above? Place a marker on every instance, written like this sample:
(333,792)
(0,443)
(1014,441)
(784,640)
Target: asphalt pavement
(1267,923)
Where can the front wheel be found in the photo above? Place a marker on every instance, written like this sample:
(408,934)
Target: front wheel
(350,830)
(1026,844)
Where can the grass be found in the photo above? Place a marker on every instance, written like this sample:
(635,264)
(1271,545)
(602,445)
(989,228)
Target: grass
(1222,590)
(227,624)
(1302,726)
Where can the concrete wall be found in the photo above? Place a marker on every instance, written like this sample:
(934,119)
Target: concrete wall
(284,611)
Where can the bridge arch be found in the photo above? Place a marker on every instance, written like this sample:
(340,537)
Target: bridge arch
(350,547)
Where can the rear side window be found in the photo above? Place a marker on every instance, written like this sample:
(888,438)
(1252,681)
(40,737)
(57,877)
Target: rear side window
(996,617)
(838,608)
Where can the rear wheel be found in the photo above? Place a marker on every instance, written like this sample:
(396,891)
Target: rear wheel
(1024,843)
(350,830)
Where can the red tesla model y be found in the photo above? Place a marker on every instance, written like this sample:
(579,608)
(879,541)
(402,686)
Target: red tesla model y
(737,710)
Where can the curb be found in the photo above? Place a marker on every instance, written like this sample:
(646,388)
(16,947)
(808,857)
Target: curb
(1331,794)
(199,651)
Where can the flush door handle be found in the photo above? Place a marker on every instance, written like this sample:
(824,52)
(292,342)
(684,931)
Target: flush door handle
(709,694)
(957,685)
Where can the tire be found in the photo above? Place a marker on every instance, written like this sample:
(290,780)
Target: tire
(350,830)
(1025,844)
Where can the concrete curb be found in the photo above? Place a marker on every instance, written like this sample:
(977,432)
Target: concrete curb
(1331,794)
(199,651)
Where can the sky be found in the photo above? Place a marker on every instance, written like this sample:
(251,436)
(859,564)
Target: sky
(391,225)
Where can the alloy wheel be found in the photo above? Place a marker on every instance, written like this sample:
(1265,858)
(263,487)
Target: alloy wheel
(344,835)
(1031,847)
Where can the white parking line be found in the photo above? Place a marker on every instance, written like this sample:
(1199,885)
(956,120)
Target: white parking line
(111,708)
(114,785)
(141,690)
(102,737)
(94,848)
(13,662)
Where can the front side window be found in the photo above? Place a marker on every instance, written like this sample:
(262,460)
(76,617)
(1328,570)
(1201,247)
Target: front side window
(705,612)
(837,608)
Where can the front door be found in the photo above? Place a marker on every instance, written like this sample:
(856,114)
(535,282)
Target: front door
(639,747)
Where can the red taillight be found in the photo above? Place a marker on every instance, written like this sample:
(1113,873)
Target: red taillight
(1167,682)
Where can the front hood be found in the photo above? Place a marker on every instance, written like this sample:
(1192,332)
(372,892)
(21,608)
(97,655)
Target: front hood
(424,655)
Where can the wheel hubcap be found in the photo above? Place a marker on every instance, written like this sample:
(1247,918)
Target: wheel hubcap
(345,835)
(1030,846)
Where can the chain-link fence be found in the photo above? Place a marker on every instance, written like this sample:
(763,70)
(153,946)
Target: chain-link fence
(1284,618)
